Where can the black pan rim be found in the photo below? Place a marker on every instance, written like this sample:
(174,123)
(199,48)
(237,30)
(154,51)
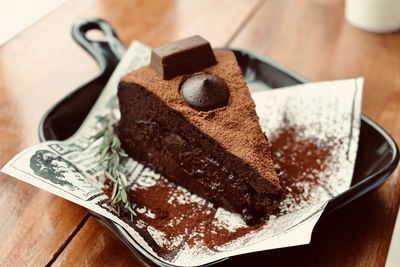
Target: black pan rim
(370,182)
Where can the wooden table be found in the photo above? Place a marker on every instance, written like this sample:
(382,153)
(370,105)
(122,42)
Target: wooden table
(311,37)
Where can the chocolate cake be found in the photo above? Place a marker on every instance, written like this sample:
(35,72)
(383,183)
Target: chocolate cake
(200,130)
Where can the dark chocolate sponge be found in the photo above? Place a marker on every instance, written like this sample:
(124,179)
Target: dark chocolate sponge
(221,155)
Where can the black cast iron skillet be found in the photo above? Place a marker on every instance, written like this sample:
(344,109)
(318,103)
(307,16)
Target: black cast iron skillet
(377,155)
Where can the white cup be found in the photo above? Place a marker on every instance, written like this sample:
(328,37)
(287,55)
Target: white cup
(374,15)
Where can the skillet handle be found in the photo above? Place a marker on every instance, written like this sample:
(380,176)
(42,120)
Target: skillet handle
(106,52)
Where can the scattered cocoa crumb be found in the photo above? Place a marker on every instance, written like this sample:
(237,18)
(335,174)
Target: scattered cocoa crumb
(191,221)
(300,162)
(107,189)
(182,220)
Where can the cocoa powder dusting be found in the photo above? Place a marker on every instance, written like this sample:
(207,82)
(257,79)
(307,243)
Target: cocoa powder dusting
(300,162)
(182,218)
(179,215)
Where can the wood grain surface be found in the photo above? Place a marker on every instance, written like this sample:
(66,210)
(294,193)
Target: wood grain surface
(310,37)
(99,247)
(40,66)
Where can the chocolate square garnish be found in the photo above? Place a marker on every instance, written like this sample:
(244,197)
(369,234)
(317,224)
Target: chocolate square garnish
(182,57)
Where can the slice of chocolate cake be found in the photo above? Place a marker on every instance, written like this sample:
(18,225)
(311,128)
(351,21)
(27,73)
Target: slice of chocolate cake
(201,131)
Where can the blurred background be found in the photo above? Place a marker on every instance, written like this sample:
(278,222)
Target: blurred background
(16,15)
(319,39)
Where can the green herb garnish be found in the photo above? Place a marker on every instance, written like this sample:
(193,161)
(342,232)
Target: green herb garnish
(111,152)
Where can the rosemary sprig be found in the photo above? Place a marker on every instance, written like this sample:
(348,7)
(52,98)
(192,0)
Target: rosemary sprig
(110,152)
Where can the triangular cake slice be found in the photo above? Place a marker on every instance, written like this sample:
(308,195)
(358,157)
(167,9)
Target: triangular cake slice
(221,154)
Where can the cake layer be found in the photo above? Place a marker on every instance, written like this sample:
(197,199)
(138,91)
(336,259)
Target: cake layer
(221,155)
